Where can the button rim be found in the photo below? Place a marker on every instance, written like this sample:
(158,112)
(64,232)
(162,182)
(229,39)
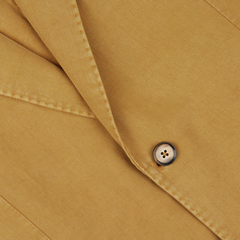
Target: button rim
(174,154)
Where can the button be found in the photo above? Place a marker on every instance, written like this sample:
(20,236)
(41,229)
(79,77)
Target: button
(164,153)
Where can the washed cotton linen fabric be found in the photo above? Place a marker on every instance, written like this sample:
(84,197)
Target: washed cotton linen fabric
(88,89)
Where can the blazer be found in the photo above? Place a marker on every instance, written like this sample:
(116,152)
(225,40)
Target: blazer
(89,92)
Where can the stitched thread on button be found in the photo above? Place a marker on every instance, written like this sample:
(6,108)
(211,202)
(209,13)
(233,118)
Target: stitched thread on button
(164,153)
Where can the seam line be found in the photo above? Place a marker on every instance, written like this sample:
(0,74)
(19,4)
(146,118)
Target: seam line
(55,106)
(95,71)
(228,19)
(26,217)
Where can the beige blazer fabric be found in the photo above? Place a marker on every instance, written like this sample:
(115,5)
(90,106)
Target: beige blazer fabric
(88,89)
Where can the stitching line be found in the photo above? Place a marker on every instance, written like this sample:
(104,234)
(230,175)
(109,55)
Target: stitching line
(138,165)
(228,19)
(55,106)
(43,233)
(94,67)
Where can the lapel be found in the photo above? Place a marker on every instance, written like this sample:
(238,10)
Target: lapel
(69,44)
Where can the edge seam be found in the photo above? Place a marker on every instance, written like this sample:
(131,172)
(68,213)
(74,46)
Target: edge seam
(55,106)
(226,17)
(26,218)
